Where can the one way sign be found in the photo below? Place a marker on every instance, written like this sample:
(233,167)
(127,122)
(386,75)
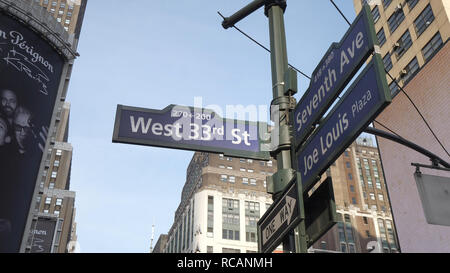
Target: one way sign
(280,218)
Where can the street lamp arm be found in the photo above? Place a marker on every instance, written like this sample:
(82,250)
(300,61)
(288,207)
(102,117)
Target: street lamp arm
(434,158)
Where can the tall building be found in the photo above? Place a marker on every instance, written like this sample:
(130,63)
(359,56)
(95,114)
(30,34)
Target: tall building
(413,36)
(409,34)
(68,13)
(362,204)
(51,225)
(221,202)
(224,197)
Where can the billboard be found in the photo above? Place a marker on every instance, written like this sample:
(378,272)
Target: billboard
(42,234)
(30,72)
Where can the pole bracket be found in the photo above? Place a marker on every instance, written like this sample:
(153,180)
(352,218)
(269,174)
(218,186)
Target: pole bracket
(270,3)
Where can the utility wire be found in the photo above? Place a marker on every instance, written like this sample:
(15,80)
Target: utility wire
(407,96)
(268,50)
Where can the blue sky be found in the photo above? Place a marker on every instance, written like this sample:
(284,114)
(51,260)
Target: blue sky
(151,54)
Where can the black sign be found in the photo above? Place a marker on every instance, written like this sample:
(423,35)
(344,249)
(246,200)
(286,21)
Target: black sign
(42,233)
(281,217)
(30,72)
(320,211)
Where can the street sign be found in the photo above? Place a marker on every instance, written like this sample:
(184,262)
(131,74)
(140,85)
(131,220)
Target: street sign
(320,211)
(280,218)
(361,103)
(334,71)
(188,128)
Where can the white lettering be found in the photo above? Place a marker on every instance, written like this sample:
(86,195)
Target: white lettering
(140,123)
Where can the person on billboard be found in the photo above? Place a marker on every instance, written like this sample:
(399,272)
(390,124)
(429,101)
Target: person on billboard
(8,104)
(4,132)
(22,128)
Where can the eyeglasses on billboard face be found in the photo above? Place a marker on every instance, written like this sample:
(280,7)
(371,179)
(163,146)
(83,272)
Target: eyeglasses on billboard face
(6,101)
(22,129)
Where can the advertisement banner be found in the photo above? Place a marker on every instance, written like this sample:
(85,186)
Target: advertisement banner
(30,72)
(42,233)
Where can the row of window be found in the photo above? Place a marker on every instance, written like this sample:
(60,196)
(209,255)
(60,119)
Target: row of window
(421,23)
(428,51)
(249,161)
(48,202)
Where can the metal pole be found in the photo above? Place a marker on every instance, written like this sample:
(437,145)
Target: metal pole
(242,13)
(279,63)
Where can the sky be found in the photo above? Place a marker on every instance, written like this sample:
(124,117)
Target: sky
(151,54)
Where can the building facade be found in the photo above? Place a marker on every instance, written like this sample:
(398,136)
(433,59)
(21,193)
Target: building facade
(221,202)
(362,204)
(414,45)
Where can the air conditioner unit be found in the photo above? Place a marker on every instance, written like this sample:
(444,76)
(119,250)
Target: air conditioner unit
(403,72)
(396,46)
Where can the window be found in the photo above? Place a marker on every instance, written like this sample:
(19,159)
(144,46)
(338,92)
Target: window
(387,61)
(381,37)
(346,153)
(58,152)
(232,179)
(372,196)
(354,201)
(230,219)
(249,161)
(432,46)
(56,163)
(222,166)
(244,180)
(409,70)
(375,14)
(242,160)
(251,219)
(229,167)
(54,174)
(350,177)
(347,164)
(253,181)
(210,228)
(393,86)
(395,20)
(384,241)
(380,197)
(352,188)
(250,170)
(48,200)
(209,249)
(424,20)
(223,178)
(411,4)
(366,222)
(403,44)
(386,3)
(242,169)
(269,163)
(51,185)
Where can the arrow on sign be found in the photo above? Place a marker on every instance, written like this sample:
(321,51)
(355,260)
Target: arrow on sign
(285,214)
